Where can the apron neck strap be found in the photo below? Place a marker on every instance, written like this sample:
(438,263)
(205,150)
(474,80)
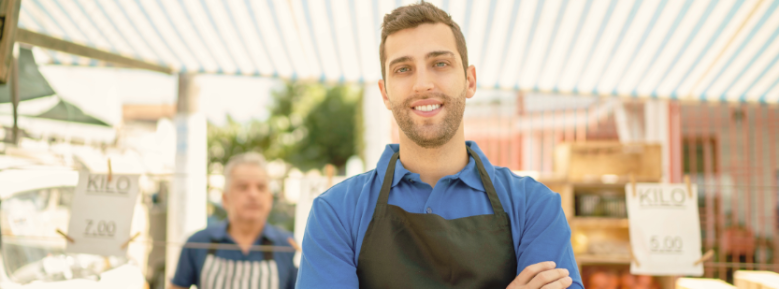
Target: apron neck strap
(497,207)
(212,247)
(389,175)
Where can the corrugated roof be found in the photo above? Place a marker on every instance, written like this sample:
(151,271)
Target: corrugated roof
(716,50)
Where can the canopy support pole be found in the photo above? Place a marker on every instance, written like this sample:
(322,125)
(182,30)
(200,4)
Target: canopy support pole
(187,211)
(14,81)
(48,42)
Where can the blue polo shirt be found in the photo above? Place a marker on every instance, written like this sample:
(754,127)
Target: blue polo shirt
(233,269)
(341,215)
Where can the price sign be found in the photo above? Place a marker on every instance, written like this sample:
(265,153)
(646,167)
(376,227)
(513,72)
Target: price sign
(665,230)
(101,214)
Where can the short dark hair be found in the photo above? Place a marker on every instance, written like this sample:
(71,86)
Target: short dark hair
(413,15)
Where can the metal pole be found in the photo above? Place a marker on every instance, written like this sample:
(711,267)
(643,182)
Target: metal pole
(14,82)
(53,43)
(187,198)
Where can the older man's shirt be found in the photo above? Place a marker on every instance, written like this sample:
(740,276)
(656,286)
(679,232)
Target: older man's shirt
(340,217)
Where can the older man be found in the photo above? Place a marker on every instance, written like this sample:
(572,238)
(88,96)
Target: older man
(248,201)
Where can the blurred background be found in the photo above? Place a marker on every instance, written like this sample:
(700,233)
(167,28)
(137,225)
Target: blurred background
(577,94)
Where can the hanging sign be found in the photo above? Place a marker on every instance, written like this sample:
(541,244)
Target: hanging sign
(102,213)
(665,230)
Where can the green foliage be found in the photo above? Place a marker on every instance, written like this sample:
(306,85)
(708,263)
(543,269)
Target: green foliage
(330,131)
(235,138)
(310,125)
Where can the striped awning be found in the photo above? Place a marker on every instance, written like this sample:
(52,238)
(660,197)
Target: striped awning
(708,50)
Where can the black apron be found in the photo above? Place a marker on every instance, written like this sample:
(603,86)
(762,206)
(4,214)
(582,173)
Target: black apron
(407,250)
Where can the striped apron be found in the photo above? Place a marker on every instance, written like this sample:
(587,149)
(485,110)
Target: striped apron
(221,273)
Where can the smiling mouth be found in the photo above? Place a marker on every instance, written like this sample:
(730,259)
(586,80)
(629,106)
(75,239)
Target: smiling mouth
(429,107)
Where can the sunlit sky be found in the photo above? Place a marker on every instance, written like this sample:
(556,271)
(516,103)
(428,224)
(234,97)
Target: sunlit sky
(101,91)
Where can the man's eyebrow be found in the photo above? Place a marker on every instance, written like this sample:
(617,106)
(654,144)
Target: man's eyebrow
(439,53)
(399,60)
(428,56)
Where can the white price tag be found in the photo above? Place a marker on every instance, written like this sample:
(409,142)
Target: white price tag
(665,230)
(102,213)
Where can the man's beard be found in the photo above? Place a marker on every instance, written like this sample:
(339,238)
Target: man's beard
(428,135)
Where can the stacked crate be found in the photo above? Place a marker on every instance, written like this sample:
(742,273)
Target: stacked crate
(591,179)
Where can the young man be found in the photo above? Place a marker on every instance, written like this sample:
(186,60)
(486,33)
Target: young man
(248,201)
(434,213)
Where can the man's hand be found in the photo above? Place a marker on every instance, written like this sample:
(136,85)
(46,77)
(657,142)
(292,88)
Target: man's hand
(542,276)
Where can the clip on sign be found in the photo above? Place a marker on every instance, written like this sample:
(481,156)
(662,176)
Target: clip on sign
(102,213)
(664,229)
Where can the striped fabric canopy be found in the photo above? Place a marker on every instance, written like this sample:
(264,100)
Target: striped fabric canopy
(709,50)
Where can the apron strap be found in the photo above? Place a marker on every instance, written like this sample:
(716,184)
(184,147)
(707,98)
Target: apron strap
(212,248)
(387,184)
(497,207)
(267,255)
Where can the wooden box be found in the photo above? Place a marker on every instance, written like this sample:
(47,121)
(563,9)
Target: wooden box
(590,161)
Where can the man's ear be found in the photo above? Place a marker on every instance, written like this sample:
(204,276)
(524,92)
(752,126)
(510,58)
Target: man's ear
(470,76)
(384,96)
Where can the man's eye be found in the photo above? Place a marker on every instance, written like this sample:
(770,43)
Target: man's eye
(441,64)
(402,69)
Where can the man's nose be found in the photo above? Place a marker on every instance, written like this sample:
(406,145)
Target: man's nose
(424,81)
(253,193)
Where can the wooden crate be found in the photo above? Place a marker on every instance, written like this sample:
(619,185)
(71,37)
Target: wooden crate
(592,231)
(579,168)
(590,161)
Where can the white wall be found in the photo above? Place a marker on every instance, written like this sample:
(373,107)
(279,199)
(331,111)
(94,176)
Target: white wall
(377,125)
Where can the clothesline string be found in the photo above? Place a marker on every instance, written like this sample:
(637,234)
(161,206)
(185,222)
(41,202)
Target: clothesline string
(157,243)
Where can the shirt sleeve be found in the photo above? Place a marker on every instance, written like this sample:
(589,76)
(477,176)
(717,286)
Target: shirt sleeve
(293,276)
(185,271)
(327,259)
(546,235)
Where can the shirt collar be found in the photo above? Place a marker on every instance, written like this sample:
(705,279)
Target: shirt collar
(400,173)
(469,175)
(218,232)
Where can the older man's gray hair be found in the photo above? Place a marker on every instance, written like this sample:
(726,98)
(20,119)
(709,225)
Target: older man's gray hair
(250,158)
